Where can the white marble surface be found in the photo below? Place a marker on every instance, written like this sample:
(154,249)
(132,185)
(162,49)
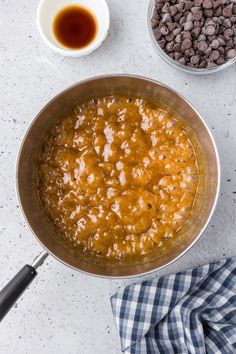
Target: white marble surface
(66,312)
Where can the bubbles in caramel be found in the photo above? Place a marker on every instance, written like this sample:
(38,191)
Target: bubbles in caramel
(118,176)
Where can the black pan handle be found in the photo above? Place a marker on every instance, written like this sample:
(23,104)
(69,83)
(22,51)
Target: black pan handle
(17,285)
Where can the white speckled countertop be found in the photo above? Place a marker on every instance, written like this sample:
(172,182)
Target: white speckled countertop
(65,312)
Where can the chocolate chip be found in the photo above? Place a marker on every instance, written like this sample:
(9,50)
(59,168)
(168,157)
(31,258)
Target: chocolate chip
(189,52)
(177,55)
(188,5)
(170,37)
(164,30)
(177,17)
(232,19)
(177,47)
(202,46)
(231,54)
(216,4)
(220,61)
(201,37)
(230,43)
(228,33)
(171,26)
(203,30)
(158,6)
(182,21)
(222,18)
(218,12)
(187,43)
(182,61)
(173,10)
(217,20)
(207,52)
(227,23)
(210,64)
(162,43)
(227,11)
(189,17)
(207,4)
(209,22)
(186,35)
(178,38)
(188,26)
(154,22)
(210,30)
(157,33)
(208,13)
(198,3)
(166,18)
(215,43)
(221,50)
(166,7)
(170,46)
(221,41)
(214,55)
(202,64)
(195,59)
(181,6)
(176,31)
(197,13)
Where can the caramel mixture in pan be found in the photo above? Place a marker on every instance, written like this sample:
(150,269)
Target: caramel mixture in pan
(118,176)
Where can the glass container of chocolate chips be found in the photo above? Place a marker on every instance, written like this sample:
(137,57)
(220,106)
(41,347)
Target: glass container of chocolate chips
(196,36)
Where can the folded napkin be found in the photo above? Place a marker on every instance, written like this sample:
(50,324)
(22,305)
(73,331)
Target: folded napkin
(192,312)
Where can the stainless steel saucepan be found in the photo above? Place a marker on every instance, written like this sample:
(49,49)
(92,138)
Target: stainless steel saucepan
(35,215)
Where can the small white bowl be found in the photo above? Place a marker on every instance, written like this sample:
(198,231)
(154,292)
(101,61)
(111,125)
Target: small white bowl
(47,11)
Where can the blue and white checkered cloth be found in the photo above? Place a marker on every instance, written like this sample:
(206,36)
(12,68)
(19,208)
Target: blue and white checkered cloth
(192,312)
